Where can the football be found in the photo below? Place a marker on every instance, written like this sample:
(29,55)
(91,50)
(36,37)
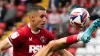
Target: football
(79,17)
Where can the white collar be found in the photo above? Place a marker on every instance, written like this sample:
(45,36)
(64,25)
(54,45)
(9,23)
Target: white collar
(34,32)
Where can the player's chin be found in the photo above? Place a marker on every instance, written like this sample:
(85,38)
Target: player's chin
(41,27)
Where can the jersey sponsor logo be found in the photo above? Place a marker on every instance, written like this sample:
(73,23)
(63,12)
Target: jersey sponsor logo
(14,35)
(43,39)
(34,48)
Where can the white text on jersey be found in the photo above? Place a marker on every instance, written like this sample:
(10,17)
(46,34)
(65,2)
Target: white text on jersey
(34,48)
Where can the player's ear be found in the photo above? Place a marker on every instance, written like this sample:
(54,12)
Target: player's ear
(31,17)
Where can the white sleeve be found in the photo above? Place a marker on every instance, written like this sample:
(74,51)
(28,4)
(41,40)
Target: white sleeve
(9,41)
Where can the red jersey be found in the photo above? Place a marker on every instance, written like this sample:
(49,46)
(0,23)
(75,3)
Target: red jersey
(26,43)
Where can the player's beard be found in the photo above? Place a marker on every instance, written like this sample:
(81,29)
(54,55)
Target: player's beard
(39,28)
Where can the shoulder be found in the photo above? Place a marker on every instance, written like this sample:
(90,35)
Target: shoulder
(45,30)
(19,34)
(23,30)
(47,33)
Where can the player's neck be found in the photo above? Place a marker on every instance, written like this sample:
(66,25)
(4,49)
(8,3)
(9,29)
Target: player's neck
(33,30)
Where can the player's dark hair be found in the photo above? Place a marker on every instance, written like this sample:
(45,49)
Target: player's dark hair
(36,8)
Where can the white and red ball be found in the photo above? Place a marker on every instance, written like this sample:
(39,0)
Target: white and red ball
(79,17)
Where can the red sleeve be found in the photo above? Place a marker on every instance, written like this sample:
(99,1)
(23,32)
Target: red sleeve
(71,39)
(16,38)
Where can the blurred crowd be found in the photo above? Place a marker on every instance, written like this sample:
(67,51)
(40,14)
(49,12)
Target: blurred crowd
(12,16)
